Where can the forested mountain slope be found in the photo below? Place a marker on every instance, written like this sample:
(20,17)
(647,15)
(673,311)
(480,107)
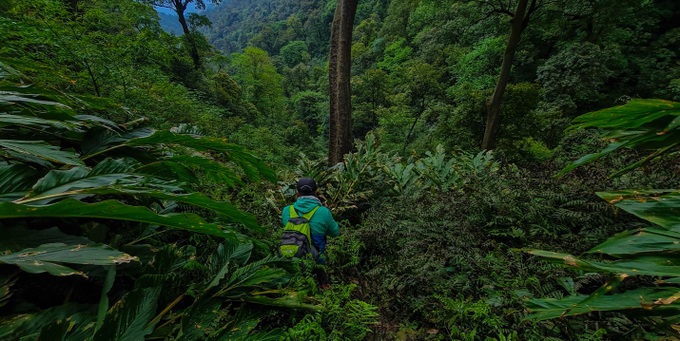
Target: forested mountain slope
(424,69)
(143,175)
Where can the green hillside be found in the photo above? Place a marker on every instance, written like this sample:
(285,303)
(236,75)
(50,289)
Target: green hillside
(144,175)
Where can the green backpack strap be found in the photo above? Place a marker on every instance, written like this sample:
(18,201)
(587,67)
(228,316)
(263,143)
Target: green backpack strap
(308,215)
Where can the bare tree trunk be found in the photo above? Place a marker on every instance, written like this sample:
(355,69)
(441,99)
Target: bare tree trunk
(191,43)
(340,140)
(494,104)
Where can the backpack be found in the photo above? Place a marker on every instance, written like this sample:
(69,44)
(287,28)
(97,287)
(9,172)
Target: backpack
(296,240)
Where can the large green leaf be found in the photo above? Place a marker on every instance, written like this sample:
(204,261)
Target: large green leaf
(42,150)
(128,319)
(225,209)
(44,258)
(661,207)
(112,209)
(252,165)
(210,169)
(652,251)
(591,157)
(30,324)
(17,238)
(251,276)
(169,170)
(221,260)
(634,114)
(12,97)
(16,181)
(102,139)
(198,318)
(644,265)
(647,240)
(649,301)
(37,122)
(76,181)
(642,124)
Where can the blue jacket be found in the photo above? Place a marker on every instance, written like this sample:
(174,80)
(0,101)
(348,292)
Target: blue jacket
(322,223)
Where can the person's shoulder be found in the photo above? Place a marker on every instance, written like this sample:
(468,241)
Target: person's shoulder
(324,210)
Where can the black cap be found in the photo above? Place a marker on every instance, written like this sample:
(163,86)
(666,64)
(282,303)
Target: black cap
(306,186)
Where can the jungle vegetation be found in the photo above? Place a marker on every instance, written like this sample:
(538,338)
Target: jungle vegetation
(512,171)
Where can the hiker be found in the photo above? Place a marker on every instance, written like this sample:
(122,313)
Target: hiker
(321,222)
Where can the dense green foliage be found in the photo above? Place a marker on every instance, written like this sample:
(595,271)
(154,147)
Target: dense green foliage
(140,195)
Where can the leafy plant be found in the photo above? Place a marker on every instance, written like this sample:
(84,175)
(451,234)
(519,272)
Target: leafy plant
(646,252)
(68,179)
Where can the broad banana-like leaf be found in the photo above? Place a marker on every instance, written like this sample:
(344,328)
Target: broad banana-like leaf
(16,238)
(644,265)
(591,157)
(78,181)
(251,275)
(198,318)
(212,170)
(282,299)
(643,241)
(37,122)
(225,209)
(104,296)
(112,209)
(30,324)
(170,170)
(18,157)
(42,150)
(252,166)
(661,207)
(649,301)
(45,258)
(98,120)
(12,97)
(637,113)
(221,260)
(100,140)
(16,180)
(644,124)
(128,319)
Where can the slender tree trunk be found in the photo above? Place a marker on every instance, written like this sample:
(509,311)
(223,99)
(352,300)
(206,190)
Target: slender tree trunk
(191,43)
(340,139)
(494,103)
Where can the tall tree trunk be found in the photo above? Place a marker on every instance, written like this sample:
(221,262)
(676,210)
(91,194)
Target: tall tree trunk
(191,43)
(340,139)
(494,104)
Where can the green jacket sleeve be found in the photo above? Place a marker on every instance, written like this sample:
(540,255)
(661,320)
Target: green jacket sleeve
(332,228)
(285,215)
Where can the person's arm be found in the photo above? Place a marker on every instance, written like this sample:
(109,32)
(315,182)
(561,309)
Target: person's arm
(285,215)
(332,228)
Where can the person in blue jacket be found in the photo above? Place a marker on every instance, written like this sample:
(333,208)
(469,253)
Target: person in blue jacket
(322,223)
